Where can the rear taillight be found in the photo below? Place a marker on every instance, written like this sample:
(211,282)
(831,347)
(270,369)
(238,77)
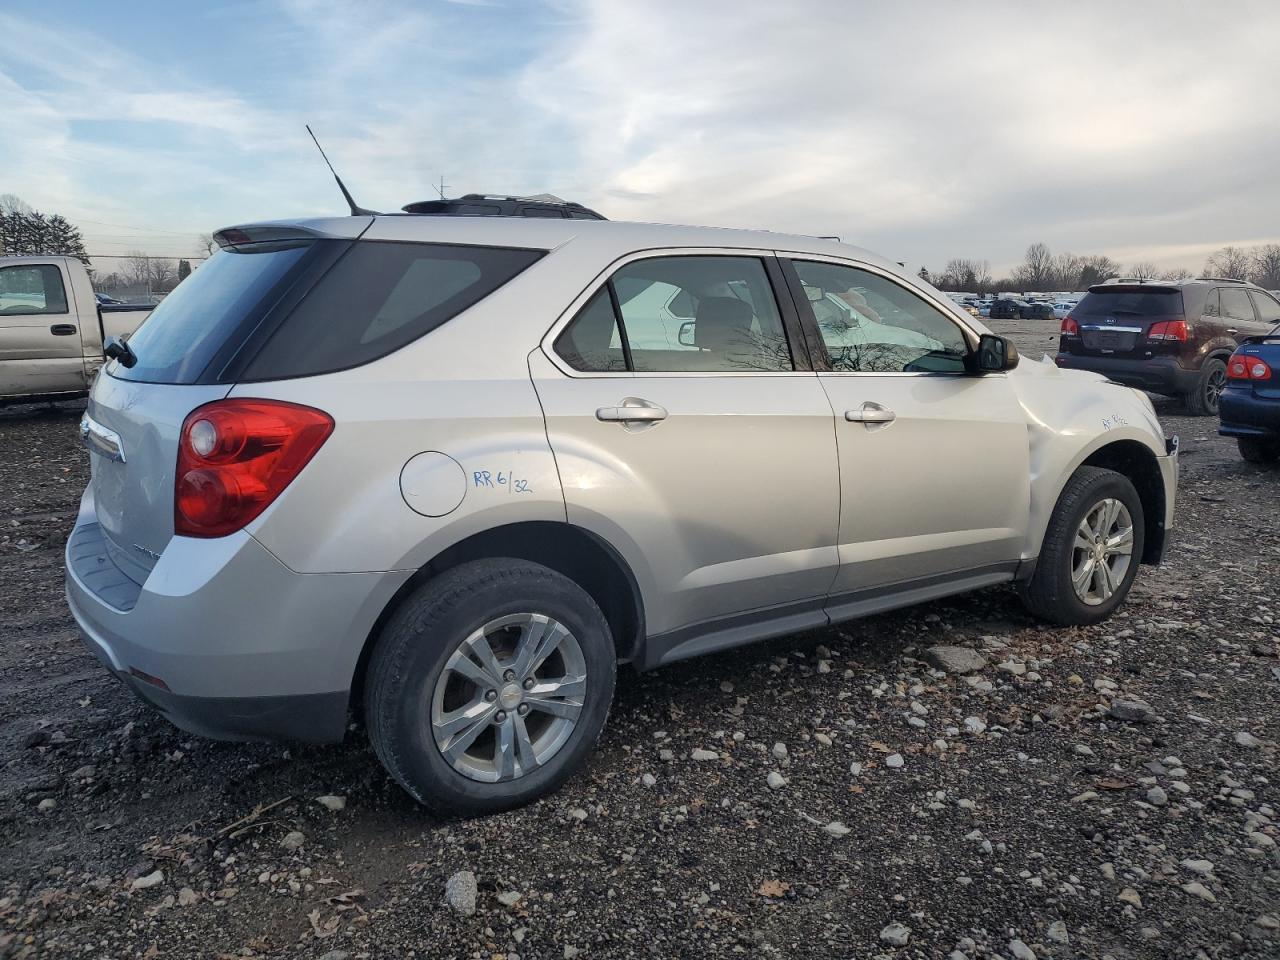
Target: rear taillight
(234,458)
(1241,366)
(1069,327)
(1168,330)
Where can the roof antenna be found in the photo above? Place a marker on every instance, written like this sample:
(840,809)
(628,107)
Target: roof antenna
(356,210)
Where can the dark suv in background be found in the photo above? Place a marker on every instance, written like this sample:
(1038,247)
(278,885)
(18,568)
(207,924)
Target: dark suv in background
(1172,337)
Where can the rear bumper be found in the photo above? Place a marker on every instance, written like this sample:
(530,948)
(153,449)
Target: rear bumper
(1159,374)
(1246,415)
(225,640)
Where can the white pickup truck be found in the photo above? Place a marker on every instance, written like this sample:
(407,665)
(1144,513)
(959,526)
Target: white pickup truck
(52,328)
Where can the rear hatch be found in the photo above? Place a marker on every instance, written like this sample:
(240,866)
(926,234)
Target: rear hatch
(1117,320)
(135,414)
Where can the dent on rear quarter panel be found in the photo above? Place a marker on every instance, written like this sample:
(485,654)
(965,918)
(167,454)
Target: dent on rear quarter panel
(1070,415)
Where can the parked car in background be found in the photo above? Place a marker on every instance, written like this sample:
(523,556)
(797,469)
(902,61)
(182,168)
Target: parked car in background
(1250,404)
(585,478)
(1007,308)
(1172,337)
(104,300)
(1040,310)
(53,329)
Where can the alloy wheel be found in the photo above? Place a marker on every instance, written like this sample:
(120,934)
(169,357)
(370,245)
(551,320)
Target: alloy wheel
(1217,382)
(509,697)
(1102,551)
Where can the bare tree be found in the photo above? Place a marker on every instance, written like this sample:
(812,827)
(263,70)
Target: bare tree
(1096,269)
(1037,268)
(1146,270)
(1067,268)
(206,244)
(1266,270)
(1177,273)
(1233,263)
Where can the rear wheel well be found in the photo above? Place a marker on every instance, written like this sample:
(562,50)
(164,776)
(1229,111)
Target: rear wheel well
(1138,463)
(579,554)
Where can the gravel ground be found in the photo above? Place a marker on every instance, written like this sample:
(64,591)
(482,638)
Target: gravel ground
(1108,791)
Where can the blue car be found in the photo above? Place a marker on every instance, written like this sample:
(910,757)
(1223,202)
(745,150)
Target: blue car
(1250,403)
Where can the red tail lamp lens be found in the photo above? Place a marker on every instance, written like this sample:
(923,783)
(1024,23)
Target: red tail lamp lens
(1244,367)
(236,456)
(1069,327)
(1168,330)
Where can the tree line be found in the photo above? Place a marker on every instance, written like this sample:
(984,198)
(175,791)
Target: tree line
(25,232)
(1043,270)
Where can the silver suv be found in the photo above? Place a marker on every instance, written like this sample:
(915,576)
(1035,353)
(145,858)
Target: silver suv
(451,471)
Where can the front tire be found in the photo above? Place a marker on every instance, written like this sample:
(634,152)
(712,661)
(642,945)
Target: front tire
(1259,451)
(1091,550)
(489,686)
(1202,401)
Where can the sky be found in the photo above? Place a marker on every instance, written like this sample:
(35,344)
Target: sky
(1148,131)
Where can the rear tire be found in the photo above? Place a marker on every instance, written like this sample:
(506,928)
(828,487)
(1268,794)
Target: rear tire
(1202,401)
(1052,593)
(1259,451)
(531,693)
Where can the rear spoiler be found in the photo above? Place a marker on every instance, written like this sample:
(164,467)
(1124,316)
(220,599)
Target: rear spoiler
(339,228)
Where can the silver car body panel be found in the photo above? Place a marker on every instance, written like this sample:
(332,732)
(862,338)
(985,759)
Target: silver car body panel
(753,508)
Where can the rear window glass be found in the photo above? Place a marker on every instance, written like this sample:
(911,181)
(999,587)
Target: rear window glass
(1135,303)
(206,310)
(379,297)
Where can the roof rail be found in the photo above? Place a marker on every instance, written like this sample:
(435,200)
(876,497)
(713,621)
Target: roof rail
(1225,280)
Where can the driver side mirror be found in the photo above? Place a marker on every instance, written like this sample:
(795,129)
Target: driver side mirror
(995,354)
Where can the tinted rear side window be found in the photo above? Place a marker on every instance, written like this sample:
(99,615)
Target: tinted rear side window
(379,297)
(1135,303)
(208,310)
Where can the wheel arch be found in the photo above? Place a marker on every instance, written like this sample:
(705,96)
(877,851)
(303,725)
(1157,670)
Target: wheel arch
(1135,460)
(577,553)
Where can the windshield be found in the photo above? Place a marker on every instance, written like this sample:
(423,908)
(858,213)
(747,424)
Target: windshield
(177,341)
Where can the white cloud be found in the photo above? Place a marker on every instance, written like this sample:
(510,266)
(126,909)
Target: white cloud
(926,130)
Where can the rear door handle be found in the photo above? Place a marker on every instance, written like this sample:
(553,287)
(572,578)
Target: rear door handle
(63,329)
(871,412)
(632,410)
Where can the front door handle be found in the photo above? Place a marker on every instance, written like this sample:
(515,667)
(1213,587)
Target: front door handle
(632,410)
(63,329)
(871,412)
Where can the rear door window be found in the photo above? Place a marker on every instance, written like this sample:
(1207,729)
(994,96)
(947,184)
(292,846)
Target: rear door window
(378,298)
(694,314)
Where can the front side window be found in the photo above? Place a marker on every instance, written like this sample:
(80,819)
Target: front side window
(1268,308)
(707,314)
(1236,304)
(31,289)
(871,325)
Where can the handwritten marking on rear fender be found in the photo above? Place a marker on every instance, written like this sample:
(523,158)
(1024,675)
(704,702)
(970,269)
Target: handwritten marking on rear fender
(500,480)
